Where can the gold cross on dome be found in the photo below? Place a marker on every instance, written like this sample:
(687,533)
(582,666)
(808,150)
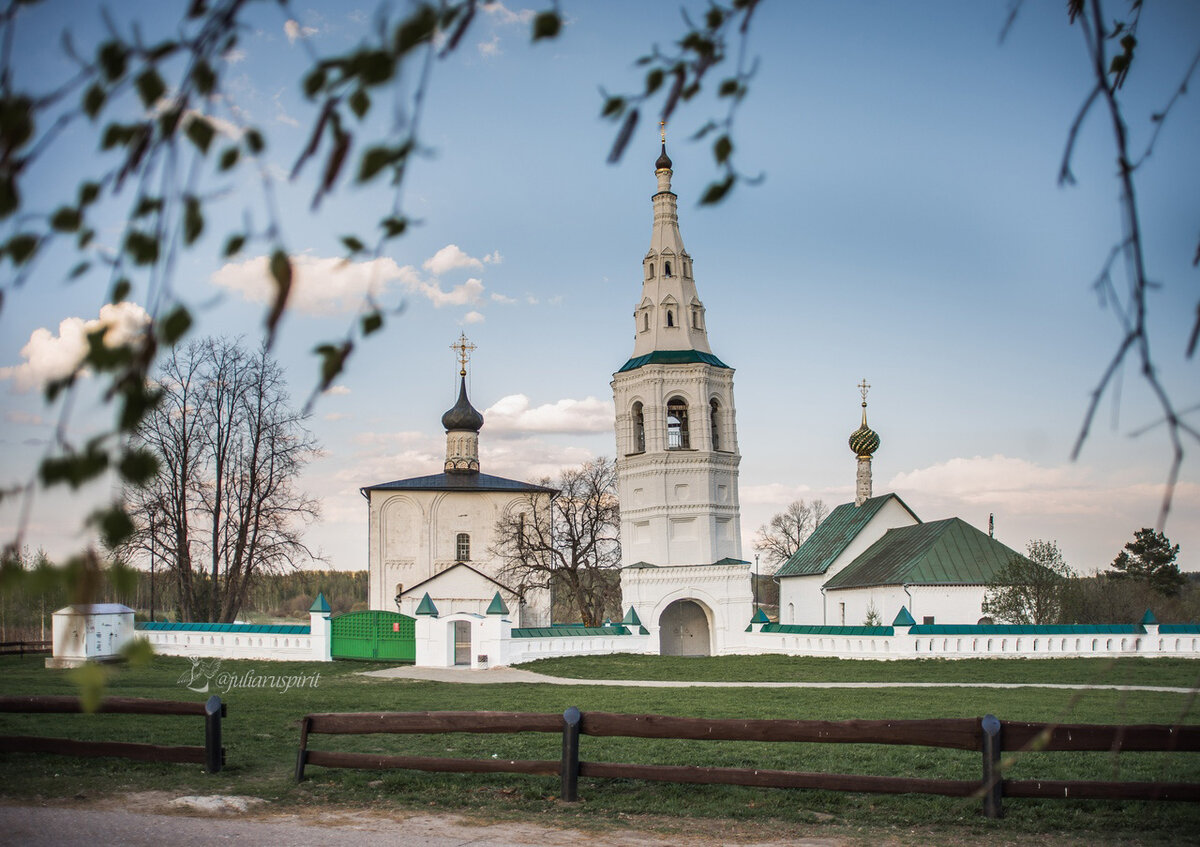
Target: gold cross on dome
(862,387)
(662,131)
(463,347)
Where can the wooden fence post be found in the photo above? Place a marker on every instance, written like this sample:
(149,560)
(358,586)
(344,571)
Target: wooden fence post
(993,786)
(570,755)
(302,753)
(214,753)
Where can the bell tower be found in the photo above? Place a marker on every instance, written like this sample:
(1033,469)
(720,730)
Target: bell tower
(677,451)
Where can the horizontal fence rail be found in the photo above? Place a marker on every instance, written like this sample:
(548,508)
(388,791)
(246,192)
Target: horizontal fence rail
(20,648)
(211,755)
(988,735)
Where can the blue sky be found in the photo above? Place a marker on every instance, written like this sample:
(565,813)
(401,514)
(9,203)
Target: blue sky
(909,230)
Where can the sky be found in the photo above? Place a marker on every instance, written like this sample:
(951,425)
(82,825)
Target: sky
(908,230)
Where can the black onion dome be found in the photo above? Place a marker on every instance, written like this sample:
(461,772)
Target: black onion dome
(463,416)
(664,161)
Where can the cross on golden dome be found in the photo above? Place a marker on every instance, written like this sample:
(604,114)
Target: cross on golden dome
(862,387)
(662,131)
(463,347)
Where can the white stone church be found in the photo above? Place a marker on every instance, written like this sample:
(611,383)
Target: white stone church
(683,577)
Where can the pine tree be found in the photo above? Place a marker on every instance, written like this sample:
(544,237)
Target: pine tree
(1151,559)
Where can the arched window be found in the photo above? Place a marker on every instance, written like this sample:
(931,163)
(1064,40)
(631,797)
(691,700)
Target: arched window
(666,268)
(639,429)
(714,417)
(645,321)
(677,424)
(695,318)
(462,547)
(652,270)
(670,318)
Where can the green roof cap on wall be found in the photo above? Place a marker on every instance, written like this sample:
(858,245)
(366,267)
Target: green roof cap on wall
(673,357)
(904,618)
(497,607)
(631,618)
(320,605)
(834,534)
(1149,619)
(426,607)
(946,552)
(760,617)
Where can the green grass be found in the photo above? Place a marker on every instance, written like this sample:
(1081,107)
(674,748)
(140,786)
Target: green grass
(261,734)
(1167,672)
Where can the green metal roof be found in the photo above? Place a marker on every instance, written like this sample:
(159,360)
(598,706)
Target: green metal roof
(834,534)
(673,357)
(458,481)
(267,629)
(1179,629)
(946,552)
(320,605)
(567,631)
(497,607)
(426,606)
(804,629)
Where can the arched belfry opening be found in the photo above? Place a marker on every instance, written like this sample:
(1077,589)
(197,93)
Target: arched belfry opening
(683,630)
(639,428)
(678,437)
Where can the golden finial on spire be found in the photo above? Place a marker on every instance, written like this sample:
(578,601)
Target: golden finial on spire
(862,387)
(463,347)
(662,131)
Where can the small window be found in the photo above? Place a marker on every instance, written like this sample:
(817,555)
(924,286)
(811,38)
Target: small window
(462,547)
(639,429)
(666,268)
(677,424)
(714,415)
(645,321)
(927,620)
(670,318)
(652,270)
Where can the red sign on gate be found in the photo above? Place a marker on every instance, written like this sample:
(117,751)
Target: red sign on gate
(396,627)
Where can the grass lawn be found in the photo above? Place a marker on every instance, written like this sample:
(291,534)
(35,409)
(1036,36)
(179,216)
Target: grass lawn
(261,735)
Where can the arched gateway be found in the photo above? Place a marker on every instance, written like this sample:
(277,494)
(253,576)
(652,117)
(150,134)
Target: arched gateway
(683,630)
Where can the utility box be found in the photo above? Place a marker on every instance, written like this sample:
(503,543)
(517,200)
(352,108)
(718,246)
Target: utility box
(90,632)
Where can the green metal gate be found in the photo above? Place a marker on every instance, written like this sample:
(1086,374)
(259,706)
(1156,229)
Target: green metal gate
(379,636)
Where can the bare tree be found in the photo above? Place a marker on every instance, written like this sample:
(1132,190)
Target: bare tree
(782,536)
(569,543)
(229,446)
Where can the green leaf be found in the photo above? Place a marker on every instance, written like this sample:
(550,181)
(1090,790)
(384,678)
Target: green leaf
(415,29)
(138,466)
(333,360)
(115,135)
(74,468)
(16,123)
(150,87)
(722,147)
(254,141)
(85,238)
(234,245)
(360,103)
(372,322)
(142,247)
(394,227)
(716,191)
(168,121)
(79,270)
(314,81)
(204,77)
(193,219)
(173,326)
(546,25)
(613,107)
(373,67)
(121,290)
(654,80)
(88,192)
(281,270)
(728,87)
(353,244)
(10,198)
(113,524)
(200,132)
(93,100)
(148,206)
(21,247)
(714,17)
(138,399)
(373,161)
(66,219)
(113,57)
(229,158)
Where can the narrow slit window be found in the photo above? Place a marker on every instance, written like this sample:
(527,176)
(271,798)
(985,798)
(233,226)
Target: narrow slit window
(462,547)
(639,429)
(714,415)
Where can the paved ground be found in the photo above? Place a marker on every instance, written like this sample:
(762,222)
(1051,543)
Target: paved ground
(493,676)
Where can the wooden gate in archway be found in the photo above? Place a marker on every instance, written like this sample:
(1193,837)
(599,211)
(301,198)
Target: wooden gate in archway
(374,636)
(683,630)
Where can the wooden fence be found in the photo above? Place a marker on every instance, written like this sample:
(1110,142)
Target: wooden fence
(989,736)
(211,755)
(20,648)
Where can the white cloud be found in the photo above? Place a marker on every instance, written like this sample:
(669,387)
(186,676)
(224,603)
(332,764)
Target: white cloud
(319,286)
(281,113)
(337,390)
(490,48)
(774,494)
(449,258)
(501,14)
(1016,484)
(337,416)
(234,56)
(493,258)
(500,298)
(514,414)
(293,30)
(19,416)
(48,356)
(473,317)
